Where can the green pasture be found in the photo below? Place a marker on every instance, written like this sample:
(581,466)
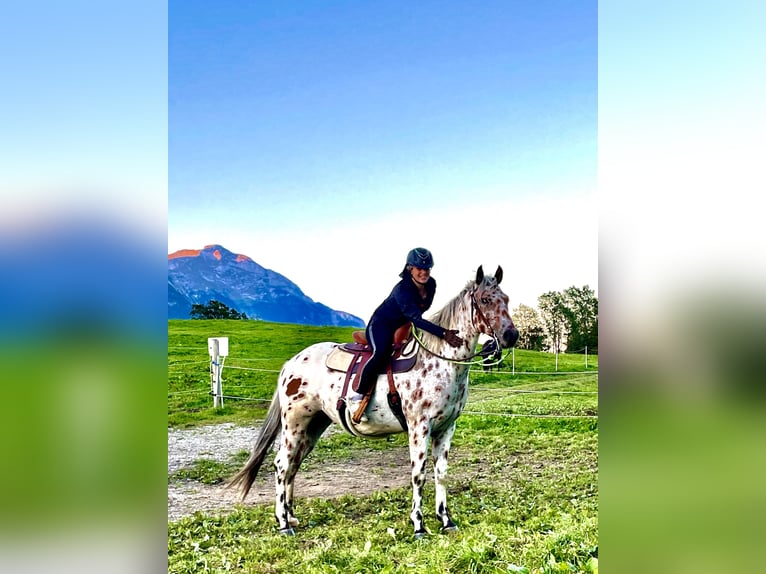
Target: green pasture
(523,469)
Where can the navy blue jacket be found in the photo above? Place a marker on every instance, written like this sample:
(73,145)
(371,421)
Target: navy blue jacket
(405,304)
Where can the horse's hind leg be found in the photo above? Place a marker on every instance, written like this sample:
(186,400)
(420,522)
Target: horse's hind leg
(440,445)
(299,435)
(418,438)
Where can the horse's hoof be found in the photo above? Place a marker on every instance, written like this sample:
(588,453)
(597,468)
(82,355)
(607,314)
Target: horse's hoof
(450,528)
(292,521)
(420,534)
(287,531)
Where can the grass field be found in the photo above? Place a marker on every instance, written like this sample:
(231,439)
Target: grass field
(523,469)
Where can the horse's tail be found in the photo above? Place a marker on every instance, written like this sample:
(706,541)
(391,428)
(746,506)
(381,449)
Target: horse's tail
(269,431)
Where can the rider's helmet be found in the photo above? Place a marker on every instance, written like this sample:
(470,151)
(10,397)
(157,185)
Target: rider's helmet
(420,257)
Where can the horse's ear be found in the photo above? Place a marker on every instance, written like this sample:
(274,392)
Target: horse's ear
(479,275)
(499,274)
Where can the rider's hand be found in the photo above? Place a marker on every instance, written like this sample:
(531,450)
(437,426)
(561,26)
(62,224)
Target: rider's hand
(451,336)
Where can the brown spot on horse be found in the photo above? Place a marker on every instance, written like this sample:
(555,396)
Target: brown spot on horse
(293,386)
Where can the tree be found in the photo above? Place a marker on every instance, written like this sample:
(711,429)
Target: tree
(570,320)
(553,315)
(215,310)
(581,310)
(531,331)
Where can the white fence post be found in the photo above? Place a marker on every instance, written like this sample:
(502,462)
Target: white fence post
(586,356)
(218,348)
(513,360)
(215,366)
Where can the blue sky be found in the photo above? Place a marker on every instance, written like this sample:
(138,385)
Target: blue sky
(325,140)
(84,110)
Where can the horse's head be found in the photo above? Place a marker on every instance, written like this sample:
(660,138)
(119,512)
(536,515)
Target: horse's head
(490,308)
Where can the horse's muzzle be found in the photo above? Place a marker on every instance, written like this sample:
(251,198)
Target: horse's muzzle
(510,336)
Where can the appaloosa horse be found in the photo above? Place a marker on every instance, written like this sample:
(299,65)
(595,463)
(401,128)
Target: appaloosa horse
(433,394)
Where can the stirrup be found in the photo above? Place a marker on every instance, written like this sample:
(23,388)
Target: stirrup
(357,417)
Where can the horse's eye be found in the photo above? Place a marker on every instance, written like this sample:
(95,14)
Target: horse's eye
(485,300)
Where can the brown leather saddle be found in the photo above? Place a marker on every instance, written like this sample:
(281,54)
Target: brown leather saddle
(351,357)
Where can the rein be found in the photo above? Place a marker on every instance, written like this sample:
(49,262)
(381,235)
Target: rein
(467,360)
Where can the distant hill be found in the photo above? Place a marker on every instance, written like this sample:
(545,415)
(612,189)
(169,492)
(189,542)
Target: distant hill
(197,276)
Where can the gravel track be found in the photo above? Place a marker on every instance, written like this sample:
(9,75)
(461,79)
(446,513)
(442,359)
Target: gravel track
(378,470)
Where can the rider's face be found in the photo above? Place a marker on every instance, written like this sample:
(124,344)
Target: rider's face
(420,275)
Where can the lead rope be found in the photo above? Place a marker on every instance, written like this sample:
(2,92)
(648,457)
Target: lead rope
(465,361)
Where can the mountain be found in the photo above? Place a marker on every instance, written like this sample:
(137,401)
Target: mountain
(197,276)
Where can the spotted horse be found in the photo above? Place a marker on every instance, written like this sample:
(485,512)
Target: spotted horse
(433,394)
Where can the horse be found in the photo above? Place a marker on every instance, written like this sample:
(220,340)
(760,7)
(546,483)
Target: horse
(433,394)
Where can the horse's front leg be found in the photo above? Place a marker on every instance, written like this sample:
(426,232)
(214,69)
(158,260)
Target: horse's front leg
(440,445)
(418,438)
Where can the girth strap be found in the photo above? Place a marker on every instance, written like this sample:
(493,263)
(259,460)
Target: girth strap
(341,406)
(394,400)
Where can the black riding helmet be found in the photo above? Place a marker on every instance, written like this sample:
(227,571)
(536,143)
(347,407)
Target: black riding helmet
(419,257)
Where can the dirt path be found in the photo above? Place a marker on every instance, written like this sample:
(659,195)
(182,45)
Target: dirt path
(380,470)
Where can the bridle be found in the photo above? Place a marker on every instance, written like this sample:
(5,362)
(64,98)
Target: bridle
(483,317)
(475,309)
